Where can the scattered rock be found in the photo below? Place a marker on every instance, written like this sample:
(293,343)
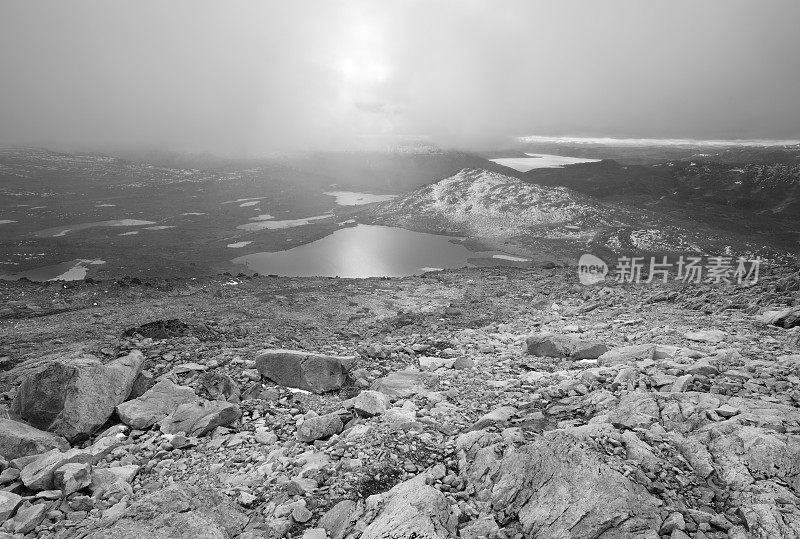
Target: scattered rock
(180,511)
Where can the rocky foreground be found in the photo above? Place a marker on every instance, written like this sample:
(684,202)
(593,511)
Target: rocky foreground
(499,403)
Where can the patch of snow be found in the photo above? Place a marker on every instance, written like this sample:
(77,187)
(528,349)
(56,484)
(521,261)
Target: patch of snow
(275,225)
(351,198)
(511,258)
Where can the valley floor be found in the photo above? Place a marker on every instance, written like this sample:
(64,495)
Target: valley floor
(688,427)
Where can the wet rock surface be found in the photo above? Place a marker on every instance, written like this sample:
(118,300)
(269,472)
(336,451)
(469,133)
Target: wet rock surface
(433,413)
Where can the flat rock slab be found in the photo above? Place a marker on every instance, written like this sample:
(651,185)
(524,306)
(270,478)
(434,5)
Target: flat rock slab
(157,403)
(74,397)
(404,384)
(317,373)
(627,354)
(19,439)
(563,346)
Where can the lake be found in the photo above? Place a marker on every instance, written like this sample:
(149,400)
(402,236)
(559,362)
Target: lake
(540,160)
(73,270)
(365,251)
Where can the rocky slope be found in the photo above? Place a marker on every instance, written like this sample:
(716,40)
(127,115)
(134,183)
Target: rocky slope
(492,402)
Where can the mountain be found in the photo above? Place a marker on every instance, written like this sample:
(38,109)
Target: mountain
(495,209)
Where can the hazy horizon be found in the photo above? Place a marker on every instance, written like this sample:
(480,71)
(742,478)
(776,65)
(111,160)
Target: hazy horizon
(257,77)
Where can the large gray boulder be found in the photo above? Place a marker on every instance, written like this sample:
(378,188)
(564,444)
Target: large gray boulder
(409,509)
(317,373)
(74,397)
(563,346)
(19,439)
(200,417)
(157,403)
(556,486)
(180,511)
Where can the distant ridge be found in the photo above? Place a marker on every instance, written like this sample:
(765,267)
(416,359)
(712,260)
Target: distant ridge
(609,141)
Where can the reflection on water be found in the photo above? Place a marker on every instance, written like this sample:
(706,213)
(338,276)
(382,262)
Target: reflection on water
(73,270)
(540,160)
(351,198)
(59,231)
(364,251)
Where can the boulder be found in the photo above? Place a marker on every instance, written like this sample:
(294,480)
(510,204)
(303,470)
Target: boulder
(497,416)
(635,409)
(339,519)
(371,403)
(107,478)
(19,439)
(785,318)
(480,528)
(179,511)
(431,363)
(409,509)
(72,477)
(220,386)
(27,518)
(563,346)
(8,504)
(200,417)
(40,474)
(74,397)
(318,427)
(627,354)
(317,373)
(157,403)
(556,486)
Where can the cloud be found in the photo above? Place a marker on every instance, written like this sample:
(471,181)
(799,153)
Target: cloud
(256,76)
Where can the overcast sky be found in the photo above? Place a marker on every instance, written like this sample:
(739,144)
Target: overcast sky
(261,76)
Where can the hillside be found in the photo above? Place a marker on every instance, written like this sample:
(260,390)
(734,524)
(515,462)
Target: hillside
(469,403)
(497,209)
